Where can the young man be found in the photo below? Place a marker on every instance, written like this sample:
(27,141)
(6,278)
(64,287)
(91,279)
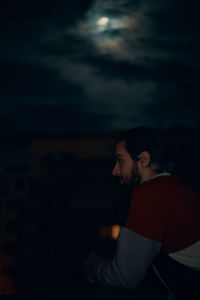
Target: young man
(162,231)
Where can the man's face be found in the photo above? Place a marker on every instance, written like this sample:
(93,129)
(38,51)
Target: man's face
(125,168)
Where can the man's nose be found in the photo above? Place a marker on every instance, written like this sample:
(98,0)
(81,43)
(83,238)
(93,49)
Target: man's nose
(115,171)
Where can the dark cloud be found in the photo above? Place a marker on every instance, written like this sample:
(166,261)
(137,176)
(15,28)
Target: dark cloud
(32,116)
(65,118)
(158,70)
(33,10)
(31,80)
(180,16)
(35,98)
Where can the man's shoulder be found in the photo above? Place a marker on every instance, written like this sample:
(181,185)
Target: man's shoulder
(159,181)
(160,185)
(169,188)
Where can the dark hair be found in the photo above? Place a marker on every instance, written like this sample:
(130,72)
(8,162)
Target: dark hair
(148,139)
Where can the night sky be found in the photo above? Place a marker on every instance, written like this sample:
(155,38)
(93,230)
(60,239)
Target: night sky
(98,65)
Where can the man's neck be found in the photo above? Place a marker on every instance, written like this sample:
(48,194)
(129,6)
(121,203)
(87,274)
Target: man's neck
(147,174)
(151,175)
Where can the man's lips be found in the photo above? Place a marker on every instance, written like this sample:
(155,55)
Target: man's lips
(121,180)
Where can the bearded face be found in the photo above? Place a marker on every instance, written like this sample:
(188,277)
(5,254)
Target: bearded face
(125,168)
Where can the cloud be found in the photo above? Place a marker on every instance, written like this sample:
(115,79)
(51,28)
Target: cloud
(37,99)
(142,68)
(120,38)
(122,99)
(116,81)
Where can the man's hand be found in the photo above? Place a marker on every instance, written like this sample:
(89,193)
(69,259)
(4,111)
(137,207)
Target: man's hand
(88,267)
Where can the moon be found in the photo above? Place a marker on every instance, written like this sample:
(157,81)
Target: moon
(103,21)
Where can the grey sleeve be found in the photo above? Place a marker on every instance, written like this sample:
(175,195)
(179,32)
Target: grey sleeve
(131,262)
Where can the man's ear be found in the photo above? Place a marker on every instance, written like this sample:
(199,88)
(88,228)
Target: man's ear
(143,160)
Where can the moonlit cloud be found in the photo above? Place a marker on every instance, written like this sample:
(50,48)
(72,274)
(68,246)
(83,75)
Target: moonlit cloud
(121,36)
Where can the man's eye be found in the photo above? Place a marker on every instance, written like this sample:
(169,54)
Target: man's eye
(119,160)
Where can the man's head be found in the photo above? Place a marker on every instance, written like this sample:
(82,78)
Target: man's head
(125,167)
(141,153)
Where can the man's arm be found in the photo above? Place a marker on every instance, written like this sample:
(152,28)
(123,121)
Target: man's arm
(128,268)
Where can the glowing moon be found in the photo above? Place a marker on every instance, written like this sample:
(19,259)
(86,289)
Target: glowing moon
(103,21)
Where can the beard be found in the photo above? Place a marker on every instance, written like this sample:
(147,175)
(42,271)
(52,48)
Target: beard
(127,188)
(132,182)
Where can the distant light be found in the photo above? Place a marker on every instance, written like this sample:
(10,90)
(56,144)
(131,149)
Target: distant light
(115,231)
(110,232)
(103,21)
